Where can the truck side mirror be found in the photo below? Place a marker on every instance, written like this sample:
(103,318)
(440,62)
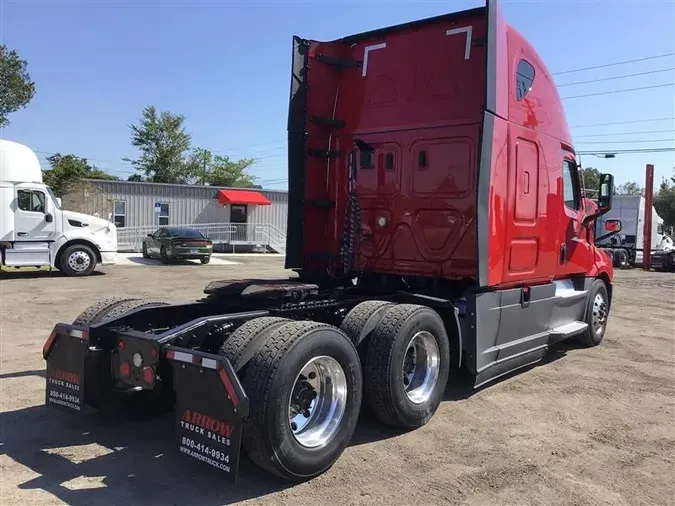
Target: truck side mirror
(613,226)
(606,192)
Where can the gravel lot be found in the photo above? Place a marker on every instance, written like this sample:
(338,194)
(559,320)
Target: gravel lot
(588,426)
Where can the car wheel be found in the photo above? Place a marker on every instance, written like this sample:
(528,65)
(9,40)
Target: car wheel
(78,260)
(145,251)
(205,260)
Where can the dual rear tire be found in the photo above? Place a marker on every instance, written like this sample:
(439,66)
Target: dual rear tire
(306,381)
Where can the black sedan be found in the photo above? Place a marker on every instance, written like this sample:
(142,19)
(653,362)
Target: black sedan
(177,243)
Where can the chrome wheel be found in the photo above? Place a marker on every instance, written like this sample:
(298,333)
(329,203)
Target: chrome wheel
(79,261)
(318,401)
(599,318)
(421,367)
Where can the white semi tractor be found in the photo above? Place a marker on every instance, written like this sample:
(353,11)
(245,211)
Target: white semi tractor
(36,231)
(626,247)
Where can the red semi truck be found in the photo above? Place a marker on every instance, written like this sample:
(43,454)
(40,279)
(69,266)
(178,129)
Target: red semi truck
(436,222)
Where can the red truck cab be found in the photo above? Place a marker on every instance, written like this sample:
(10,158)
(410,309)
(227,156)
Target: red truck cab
(436,155)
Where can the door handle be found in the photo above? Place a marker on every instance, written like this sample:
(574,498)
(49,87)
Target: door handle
(563,253)
(22,234)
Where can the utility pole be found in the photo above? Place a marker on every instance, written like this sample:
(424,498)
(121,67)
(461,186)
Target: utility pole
(649,202)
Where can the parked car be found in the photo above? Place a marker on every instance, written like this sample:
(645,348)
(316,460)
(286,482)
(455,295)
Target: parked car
(177,243)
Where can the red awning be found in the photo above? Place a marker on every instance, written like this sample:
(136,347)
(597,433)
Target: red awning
(242,197)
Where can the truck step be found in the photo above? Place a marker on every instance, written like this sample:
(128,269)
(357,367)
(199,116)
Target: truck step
(338,62)
(329,122)
(323,153)
(569,329)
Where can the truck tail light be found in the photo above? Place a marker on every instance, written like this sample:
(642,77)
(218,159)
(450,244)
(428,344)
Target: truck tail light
(149,375)
(48,344)
(125,369)
(120,345)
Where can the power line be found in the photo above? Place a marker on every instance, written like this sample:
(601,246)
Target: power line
(613,78)
(625,151)
(619,91)
(627,133)
(613,64)
(624,122)
(626,142)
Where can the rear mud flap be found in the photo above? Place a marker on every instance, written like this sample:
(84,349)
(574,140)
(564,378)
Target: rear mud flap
(210,407)
(65,352)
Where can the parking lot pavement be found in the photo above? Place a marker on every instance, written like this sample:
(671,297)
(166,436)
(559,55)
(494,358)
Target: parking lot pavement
(136,259)
(585,427)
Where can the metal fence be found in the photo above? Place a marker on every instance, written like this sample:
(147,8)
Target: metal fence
(232,234)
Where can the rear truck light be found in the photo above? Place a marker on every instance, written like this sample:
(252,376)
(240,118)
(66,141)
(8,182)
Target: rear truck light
(125,369)
(210,407)
(65,351)
(120,345)
(149,375)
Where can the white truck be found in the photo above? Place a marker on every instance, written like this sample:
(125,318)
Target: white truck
(626,247)
(36,231)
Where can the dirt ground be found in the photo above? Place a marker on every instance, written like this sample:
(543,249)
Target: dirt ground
(586,427)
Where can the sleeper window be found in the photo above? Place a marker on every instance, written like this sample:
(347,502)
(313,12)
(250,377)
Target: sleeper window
(524,79)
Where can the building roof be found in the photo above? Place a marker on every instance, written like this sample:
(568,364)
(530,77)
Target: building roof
(215,188)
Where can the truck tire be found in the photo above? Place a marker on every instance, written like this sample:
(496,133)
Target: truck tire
(78,260)
(363,318)
(130,305)
(240,347)
(400,390)
(281,379)
(95,312)
(597,310)
(622,259)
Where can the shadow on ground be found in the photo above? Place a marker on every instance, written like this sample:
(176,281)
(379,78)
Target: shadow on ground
(5,273)
(123,461)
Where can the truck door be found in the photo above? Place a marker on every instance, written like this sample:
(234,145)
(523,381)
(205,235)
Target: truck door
(574,252)
(34,227)
(32,221)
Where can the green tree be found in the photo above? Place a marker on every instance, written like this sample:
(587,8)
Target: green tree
(664,202)
(163,142)
(16,87)
(217,170)
(629,189)
(135,177)
(591,177)
(67,171)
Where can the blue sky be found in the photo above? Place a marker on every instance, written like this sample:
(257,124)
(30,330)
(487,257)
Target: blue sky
(225,65)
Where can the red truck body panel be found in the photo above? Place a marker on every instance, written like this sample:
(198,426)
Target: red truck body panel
(469,143)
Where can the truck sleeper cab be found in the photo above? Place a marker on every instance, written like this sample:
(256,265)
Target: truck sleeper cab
(435,223)
(36,231)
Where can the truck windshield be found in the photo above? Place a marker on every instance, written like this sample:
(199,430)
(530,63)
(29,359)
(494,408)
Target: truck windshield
(54,198)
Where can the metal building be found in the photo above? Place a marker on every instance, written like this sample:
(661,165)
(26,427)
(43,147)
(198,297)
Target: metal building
(235,219)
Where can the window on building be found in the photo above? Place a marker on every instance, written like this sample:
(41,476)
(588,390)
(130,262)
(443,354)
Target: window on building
(31,200)
(524,79)
(120,213)
(164,215)
(571,185)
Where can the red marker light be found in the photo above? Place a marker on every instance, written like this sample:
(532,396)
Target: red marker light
(125,369)
(120,345)
(149,375)
(154,353)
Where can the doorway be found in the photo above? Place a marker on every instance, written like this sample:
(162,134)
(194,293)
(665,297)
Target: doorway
(238,213)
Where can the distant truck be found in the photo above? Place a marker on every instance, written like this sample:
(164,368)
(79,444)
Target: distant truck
(35,231)
(626,247)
